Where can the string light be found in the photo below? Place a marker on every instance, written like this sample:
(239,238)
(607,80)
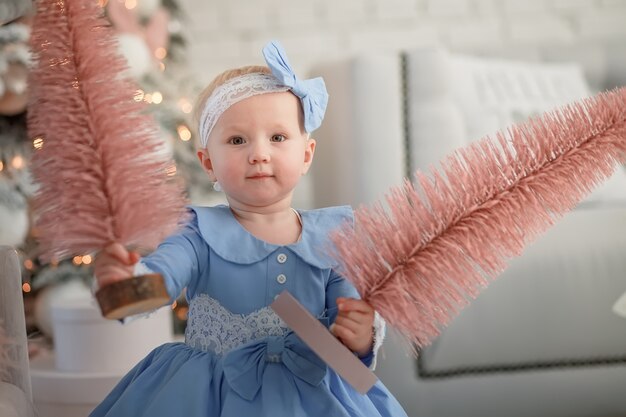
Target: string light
(130,4)
(181,313)
(28,264)
(147,98)
(171,170)
(139,95)
(17,162)
(160,53)
(26,287)
(184,133)
(77,260)
(185,105)
(38,143)
(157,97)
(87,259)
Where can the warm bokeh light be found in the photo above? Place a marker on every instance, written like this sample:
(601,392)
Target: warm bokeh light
(77,260)
(171,170)
(87,259)
(161,66)
(185,105)
(130,4)
(147,98)
(28,264)
(17,162)
(38,143)
(157,97)
(182,312)
(26,287)
(184,132)
(160,53)
(139,95)
(1,165)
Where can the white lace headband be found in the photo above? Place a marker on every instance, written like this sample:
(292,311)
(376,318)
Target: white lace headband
(231,92)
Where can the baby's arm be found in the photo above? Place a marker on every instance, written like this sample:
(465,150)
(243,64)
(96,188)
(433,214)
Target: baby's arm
(178,259)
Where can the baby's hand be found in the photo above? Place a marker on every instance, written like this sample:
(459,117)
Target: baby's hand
(114,263)
(353,325)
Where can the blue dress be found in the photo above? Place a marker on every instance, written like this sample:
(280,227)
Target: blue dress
(239,359)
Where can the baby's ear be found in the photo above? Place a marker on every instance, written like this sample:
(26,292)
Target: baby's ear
(205,161)
(309,151)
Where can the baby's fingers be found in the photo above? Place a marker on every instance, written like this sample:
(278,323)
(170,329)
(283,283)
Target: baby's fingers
(352,304)
(342,332)
(120,253)
(111,274)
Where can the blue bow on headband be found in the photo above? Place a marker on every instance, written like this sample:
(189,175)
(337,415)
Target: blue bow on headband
(312,93)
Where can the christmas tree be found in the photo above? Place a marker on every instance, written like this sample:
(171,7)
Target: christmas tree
(151,29)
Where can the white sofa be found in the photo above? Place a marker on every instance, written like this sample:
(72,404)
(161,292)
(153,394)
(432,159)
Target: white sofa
(541,340)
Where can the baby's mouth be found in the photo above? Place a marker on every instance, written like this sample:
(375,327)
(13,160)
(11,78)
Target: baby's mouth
(260,176)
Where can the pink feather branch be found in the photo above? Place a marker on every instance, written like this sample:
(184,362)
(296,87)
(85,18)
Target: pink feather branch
(420,257)
(102,172)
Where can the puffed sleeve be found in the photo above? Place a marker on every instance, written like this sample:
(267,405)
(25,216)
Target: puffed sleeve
(180,258)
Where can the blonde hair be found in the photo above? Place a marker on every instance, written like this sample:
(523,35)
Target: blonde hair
(217,81)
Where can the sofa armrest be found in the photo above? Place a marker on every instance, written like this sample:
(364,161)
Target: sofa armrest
(13,402)
(13,320)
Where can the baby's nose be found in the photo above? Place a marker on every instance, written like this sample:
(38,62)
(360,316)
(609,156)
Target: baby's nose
(259,153)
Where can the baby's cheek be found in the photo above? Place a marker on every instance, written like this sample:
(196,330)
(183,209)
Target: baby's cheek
(229,171)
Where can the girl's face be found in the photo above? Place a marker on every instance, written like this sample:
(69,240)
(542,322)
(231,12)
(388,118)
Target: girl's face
(258,150)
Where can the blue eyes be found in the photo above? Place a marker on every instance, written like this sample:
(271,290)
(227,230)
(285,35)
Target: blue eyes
(238,140)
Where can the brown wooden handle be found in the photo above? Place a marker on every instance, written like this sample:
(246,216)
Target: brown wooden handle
(132,296)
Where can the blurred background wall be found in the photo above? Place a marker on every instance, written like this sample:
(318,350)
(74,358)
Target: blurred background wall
(223,34)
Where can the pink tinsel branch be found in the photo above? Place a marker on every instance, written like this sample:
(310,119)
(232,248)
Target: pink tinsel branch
(102,172)
(420,258)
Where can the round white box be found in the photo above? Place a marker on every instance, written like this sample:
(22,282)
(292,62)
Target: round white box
(84,341)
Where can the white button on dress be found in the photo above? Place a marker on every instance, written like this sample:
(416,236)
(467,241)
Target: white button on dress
(281,279)
(281,258)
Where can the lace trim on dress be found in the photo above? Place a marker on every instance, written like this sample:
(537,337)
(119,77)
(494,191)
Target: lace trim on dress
(212,328)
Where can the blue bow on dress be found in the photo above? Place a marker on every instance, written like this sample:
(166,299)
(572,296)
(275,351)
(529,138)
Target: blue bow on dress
(312,93)
(244,366)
